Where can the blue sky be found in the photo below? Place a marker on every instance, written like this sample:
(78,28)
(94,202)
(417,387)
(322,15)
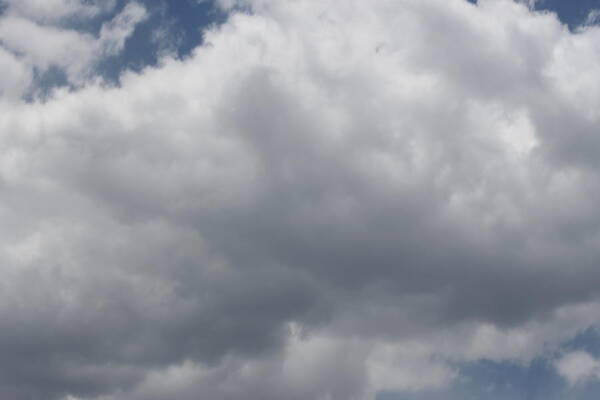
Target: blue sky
(573,13)
(183,22)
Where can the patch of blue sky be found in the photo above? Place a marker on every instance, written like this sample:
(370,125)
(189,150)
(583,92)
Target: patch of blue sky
(588,341)
(495,381)
(571,12)
(173,27)
(537,380)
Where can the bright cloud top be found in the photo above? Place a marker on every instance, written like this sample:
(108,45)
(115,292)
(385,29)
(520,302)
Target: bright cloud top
(326,200)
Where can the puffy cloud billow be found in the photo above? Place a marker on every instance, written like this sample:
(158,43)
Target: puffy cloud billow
(326,200)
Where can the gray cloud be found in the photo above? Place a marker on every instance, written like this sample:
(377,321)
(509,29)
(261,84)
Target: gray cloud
(324,197)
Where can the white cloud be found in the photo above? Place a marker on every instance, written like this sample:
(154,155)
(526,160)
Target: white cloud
(15,77)
(34,46)
(48,11)
(43,46)
(410,366)
(114,33)
(530,3)
(593,17)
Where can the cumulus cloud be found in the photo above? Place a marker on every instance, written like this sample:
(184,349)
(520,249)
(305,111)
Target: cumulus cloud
(326,200)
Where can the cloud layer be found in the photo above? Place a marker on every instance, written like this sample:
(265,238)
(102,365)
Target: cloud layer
(326,200)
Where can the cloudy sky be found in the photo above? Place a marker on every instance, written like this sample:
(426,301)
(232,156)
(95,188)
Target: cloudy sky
(299,199)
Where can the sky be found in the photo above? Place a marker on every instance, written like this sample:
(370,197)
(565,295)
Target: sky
(304,200)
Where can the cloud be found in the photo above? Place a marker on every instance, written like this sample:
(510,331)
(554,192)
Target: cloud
(114,33)
(593,17)
(52,11)
(36,44)
(15,76)
(323,199)
(577,367)
(530,3)
(309,367)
